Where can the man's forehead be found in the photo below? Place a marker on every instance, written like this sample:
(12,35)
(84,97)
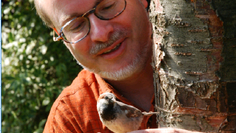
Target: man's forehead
(60,11)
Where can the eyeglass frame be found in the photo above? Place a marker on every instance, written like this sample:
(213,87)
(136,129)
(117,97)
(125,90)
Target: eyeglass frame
(60,34)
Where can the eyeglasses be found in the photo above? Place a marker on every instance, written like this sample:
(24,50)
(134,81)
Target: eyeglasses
(78,28)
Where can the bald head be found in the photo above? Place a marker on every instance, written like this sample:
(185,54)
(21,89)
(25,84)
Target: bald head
(42,14)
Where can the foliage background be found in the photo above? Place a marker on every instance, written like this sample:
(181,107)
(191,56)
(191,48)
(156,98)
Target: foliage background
(34,68)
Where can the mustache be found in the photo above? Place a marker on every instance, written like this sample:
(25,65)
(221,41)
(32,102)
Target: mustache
(102,45)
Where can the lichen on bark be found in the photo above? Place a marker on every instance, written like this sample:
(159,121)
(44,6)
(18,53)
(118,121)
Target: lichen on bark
(187,56)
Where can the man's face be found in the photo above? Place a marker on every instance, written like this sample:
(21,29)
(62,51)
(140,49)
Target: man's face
(115,49)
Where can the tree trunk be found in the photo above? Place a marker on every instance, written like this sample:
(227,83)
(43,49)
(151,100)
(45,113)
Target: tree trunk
(194,63)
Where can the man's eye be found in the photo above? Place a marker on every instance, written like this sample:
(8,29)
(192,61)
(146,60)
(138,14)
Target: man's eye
(77,26)
(107,6)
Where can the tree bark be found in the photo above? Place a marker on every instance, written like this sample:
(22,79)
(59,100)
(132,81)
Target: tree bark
(194,62)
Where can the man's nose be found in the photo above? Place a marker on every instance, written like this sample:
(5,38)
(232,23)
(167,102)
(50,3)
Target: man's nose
(100,29)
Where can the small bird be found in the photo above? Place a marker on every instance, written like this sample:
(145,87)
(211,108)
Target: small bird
(117,116)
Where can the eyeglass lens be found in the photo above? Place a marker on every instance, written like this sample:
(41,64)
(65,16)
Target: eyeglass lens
(78,28)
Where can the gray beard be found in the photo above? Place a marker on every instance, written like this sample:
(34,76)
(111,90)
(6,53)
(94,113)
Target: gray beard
(119,74)
(137,65)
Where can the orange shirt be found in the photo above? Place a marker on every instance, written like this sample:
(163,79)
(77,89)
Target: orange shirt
(75,109)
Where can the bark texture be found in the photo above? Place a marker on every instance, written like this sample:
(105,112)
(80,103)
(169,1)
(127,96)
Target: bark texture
(195,63)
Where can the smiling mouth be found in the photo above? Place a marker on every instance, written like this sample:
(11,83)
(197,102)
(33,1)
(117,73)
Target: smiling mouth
(115,48)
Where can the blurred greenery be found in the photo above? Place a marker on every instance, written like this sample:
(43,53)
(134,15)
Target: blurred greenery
(34,68)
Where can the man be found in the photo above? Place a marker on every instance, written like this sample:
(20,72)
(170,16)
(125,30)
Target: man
(111,39)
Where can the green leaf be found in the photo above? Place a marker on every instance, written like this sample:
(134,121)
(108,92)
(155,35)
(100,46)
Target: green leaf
(33,80)
(46,101)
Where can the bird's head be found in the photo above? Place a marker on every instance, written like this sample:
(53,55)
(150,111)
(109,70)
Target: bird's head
(105,106)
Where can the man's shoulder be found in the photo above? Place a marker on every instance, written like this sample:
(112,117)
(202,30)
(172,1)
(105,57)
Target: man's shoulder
(81,83)
(76,104)
(83,87)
